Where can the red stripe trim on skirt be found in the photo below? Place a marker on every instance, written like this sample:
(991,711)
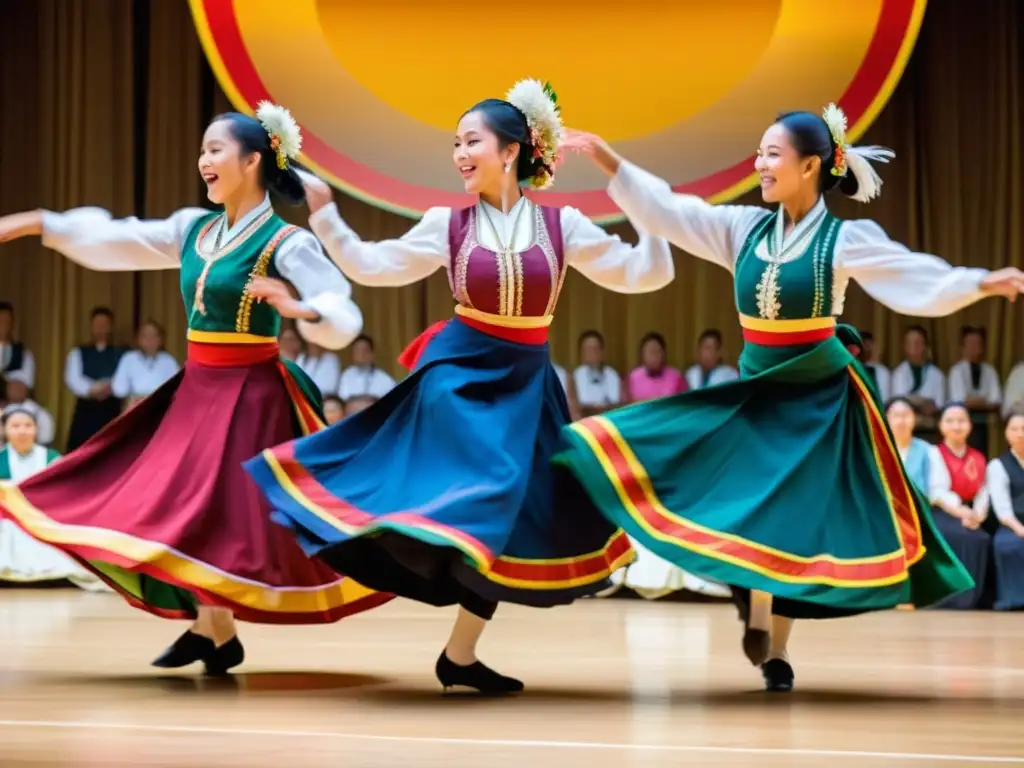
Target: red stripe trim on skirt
(411,354)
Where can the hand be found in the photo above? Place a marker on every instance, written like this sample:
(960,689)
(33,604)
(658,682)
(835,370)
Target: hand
(100,390)
(276,294)
(594,147)
(968,519)
(20,225)
(1007,282)
(318,194)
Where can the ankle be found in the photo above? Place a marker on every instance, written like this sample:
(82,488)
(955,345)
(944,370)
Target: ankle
(463,657)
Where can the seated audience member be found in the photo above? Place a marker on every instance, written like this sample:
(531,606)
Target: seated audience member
(363,379)
(143,371)
(653,378)
(22,558)
(15,357)
(323,367)
(881,375)
(334,409)
(961,503)
(598,386)
(1013,393)
(88,373)
(359,403)
(289,343)
(709,369)
(1005,478)
(919,380)
(18,397)
(569,387)
(975,383)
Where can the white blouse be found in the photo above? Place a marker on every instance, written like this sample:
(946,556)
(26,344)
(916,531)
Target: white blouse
(597,388)
(1013,396)
(324,370)
(719,375)
(23,467)
(883,378)
(357,381)
(933,383)
(141,376)
(90,237)
(601,257)
(960,384)
(998,483)
(911,283)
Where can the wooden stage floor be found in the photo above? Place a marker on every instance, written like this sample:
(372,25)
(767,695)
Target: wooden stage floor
(609,683)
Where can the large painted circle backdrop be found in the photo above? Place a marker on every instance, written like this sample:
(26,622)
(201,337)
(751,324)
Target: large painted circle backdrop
(684,89)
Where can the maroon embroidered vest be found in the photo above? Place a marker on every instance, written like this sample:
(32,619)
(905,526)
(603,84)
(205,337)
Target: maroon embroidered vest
(526,284)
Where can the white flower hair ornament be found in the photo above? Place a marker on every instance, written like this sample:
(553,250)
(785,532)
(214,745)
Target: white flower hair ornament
(855,160)
(285,136)
(539,102)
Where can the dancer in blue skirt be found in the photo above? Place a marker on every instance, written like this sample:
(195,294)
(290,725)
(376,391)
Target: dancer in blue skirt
(442,491)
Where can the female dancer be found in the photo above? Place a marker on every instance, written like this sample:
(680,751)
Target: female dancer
(157,504)
(801,494)
(442,491)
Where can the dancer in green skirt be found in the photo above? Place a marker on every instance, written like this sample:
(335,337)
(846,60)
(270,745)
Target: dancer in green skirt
(784,484)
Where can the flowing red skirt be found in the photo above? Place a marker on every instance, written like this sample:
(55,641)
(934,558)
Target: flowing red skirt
(158,505)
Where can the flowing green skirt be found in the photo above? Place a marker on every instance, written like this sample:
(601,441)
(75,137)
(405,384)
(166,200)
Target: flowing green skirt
(787,481)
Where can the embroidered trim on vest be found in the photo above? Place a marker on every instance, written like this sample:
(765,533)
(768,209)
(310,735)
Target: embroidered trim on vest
(243,318)
(555,269)
(462,259)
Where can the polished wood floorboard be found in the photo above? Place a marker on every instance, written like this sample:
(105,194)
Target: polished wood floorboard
(609,683)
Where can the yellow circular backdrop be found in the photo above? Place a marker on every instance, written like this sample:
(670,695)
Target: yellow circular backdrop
(684,89)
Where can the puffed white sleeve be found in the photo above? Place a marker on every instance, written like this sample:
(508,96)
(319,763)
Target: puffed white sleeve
(412,257)
(611,263)
(94,239)
(322,288)
(917,284)
(714,233)
(940,484)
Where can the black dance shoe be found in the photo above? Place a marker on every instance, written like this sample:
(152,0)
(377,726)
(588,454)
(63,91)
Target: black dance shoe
(477,675)
(187,649)
(224,657)
(778,676)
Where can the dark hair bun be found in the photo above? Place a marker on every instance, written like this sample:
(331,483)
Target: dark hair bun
(811,137)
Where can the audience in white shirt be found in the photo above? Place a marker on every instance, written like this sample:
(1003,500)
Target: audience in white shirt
(142,371)
(598,386)
(1013,394)
(363,382)
(918,379)
(18,395)
(882,376)
(709,369)
(975,384)
(15,357)
(323,367)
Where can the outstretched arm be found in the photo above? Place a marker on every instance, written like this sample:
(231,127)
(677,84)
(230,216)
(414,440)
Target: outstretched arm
(612,263)
(917,284)
(714,233)
(92,238)
(408,259)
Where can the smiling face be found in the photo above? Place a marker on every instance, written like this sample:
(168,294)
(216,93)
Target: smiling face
(955,425)
(20,431)
(784,173)
(225,168)
(901,420)
(479,157)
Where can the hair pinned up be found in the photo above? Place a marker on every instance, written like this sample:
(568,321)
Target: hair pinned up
(277,169)
(844,167)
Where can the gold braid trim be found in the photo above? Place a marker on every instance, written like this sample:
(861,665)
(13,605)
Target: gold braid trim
(243,317)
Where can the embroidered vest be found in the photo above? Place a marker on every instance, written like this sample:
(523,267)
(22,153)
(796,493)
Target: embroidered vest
(794,284)
(1016,474)
(967,474)
(526,283)
(213,282)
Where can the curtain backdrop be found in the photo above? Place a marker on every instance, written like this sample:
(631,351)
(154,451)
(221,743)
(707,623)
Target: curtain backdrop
(108,107)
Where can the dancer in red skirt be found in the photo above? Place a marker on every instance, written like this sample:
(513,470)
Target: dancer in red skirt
(157,503)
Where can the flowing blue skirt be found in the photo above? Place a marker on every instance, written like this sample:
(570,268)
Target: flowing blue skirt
(445,484)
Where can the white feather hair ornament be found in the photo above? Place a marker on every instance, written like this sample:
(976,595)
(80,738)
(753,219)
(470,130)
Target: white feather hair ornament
(539,102)
(284,132)
(855,160)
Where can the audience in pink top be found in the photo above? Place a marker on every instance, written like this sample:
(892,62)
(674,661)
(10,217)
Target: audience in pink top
(653,378)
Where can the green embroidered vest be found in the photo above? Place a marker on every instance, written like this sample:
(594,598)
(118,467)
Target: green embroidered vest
(214,280)
(794,283)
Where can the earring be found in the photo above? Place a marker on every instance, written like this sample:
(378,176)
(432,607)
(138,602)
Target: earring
(508,167)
